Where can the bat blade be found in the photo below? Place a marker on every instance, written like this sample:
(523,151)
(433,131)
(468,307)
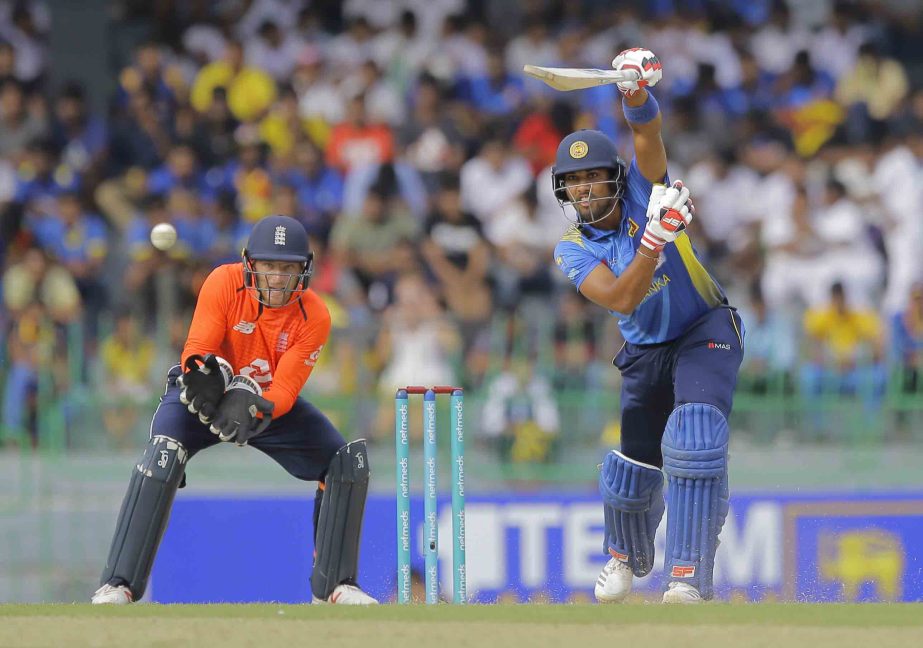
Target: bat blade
(577,78)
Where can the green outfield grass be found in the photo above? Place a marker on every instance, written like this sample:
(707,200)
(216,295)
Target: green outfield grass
(559,626)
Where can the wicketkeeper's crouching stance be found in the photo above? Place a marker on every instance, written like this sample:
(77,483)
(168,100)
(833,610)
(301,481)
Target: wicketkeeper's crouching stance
(255,336)
(629,252)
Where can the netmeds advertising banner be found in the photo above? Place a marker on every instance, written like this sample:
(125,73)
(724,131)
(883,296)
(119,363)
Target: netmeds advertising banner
(548,547)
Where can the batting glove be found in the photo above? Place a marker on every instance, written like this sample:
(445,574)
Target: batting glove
(669,211)
(640,60)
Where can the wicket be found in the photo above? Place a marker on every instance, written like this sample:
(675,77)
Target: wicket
(430,513)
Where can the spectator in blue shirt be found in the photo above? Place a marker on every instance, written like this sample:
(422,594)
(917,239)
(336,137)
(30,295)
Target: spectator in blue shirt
(79,241)
(907,340)
(82,138)
(497,92)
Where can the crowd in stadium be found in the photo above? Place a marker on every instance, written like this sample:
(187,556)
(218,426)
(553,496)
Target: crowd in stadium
(406,139)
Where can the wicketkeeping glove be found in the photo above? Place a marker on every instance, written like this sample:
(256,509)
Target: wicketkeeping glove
(203,384)
(640,60)
(669,211)
(237,419)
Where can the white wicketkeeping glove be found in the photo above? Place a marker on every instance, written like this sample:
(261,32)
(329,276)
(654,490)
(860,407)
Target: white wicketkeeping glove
(645,63)
(669,211)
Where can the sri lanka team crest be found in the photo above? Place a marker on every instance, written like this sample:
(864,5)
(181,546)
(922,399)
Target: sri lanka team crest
(632,227)
(578,149)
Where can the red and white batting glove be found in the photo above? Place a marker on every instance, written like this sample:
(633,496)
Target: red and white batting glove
(640,60)
(669,211)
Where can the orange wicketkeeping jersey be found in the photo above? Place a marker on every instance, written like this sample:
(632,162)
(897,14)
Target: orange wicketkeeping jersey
(277,348)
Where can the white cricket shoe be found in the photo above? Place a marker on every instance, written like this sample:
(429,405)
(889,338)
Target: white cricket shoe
(112,595)
(345,594)
(682,593)
(614,582)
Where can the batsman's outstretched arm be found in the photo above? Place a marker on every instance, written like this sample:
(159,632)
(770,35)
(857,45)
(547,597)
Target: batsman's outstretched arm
(650,153)
(641,110)
(622,293)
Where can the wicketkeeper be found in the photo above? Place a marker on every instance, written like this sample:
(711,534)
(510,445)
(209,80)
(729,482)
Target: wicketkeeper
(628,251)
(255,337)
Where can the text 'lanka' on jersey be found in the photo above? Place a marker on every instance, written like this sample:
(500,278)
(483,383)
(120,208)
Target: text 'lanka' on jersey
(681,291)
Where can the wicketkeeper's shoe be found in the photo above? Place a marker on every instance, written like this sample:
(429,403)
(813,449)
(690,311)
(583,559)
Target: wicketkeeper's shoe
(614,582)
(346,594)
(682,593)
(112,595)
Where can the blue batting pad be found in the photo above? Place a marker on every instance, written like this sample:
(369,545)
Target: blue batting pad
(633,505)
(695,456)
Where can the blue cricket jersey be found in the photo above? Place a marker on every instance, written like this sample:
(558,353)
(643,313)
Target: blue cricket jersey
(681,291)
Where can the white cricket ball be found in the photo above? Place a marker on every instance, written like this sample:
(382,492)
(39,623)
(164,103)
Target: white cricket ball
(163,236)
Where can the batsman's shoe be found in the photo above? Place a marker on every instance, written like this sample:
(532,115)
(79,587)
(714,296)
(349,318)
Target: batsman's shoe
(682,593)
(112,595)
(614,582)
(345,594)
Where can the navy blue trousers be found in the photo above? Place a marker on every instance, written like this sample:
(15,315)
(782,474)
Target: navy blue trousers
(700,366)
(303,441)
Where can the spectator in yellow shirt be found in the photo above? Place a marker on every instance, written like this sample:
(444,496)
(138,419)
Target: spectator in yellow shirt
(872,93)
(845,348)
(250,91)
(126,359)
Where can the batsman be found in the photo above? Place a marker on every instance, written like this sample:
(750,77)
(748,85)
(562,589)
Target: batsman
(628,251)
(255,337)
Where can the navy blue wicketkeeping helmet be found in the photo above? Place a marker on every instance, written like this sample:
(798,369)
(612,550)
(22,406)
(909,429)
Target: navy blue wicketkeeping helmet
(278,238)
(583,150)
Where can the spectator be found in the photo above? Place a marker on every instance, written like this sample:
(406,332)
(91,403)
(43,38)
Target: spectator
(524,242)
(284,126)
(493,179)
(18,125)
(383,104)
(848,256)
(497,92)
(40,296)
(376,246)
(574,343)
(907,340)
(273,51)
(82,138)
(416,343)
(248,177)
(35,278)
(79,241)
(126,362)
(319,187)
(320,100)
(430,140)
(538,134)
(27,345)
(458,256)
(26,34)
(520,416)
(402,52)
(844,346)
(398,177)
(872,92)
(805,106)
(164,84)
(140,138)
(250,91)
(347,51)
(357,141)
(772,346)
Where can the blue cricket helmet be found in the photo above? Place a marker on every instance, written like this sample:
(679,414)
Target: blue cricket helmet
(278,238)
(587,149)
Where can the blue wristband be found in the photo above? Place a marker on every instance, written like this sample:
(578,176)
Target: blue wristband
(641,114)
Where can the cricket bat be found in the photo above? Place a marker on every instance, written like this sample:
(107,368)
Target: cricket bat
(578,78)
